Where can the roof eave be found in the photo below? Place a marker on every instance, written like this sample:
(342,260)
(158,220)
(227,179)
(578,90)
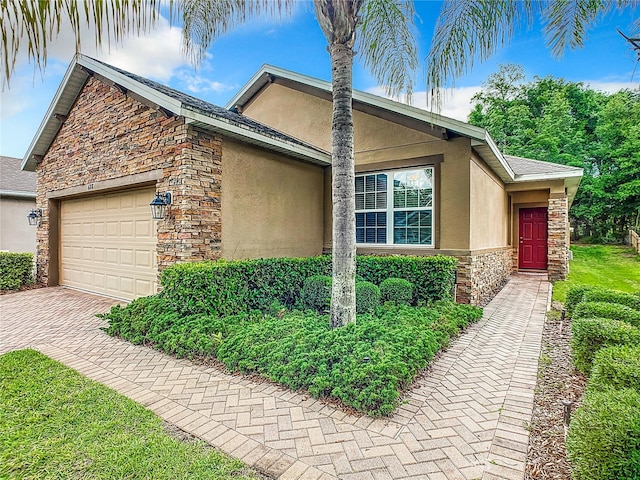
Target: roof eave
(300,152)
(536,177)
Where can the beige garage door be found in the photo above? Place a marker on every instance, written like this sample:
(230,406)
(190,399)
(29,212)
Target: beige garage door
(108,244)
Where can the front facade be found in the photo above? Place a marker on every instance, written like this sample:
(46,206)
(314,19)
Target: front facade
(254,180)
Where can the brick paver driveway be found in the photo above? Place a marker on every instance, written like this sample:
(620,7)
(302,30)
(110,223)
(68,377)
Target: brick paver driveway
(465,420)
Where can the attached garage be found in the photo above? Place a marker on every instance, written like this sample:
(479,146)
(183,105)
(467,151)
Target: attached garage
(108,244)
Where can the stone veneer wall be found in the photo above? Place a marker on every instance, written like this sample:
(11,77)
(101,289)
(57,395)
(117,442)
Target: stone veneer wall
(558,243)
(108,136)
(482,275)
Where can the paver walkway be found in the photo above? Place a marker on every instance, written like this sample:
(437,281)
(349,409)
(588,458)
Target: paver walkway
(465,420)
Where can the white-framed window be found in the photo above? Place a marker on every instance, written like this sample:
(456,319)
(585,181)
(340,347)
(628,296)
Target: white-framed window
(395,207)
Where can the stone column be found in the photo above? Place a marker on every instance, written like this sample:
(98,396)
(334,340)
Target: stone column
(558,246)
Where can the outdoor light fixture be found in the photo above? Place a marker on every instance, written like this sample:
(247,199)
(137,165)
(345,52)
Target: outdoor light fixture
(159,204)
(34,217)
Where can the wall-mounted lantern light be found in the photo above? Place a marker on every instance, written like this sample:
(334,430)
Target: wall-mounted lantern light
(159,204)
(34,217)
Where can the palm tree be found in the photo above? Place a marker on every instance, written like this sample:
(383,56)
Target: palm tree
(382,30)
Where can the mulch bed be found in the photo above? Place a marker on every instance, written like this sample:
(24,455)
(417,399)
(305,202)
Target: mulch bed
(558,380)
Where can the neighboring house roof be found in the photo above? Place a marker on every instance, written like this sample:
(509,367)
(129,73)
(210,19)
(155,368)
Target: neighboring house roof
(13,181)
(510,171)
(195,111)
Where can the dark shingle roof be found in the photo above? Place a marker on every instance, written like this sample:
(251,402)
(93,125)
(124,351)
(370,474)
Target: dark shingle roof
(528,166)
(206,108)
(12,179)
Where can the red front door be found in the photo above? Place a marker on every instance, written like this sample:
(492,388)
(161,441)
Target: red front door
(533,238)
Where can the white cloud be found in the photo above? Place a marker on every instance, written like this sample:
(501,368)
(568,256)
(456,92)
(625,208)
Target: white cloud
(199,84)
(610,87)
(456,101)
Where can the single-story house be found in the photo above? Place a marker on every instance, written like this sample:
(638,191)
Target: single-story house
(254,180)
(17,199)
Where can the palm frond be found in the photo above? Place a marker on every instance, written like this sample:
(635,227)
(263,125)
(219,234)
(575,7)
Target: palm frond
(466,31)
(387,44)
(28,26)
(204,21)
(566,22)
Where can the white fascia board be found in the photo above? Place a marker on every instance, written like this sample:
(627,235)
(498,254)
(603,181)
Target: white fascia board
(160,99)
(311,154)
(548,176)
(17,194)
(55,103)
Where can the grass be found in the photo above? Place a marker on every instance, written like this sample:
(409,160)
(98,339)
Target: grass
(55,423)
(607,266)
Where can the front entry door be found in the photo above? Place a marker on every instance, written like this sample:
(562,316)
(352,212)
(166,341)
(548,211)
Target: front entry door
(533,238)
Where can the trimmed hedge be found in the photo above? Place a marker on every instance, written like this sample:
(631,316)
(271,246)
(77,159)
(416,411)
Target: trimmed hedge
(364,364)
(604,437)
(612,296)
(230,287)
(367,297)
(16,270)
(397,290)
(316,293)
(592,334)
(575,295)
(617,367)
(607,310)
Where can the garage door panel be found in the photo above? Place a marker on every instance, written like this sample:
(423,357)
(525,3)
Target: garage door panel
(108,244)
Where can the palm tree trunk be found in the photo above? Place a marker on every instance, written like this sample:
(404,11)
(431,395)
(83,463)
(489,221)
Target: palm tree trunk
(343,292)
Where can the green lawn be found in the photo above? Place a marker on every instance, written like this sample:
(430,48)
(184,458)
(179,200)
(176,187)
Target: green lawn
(606,266)
(55,423)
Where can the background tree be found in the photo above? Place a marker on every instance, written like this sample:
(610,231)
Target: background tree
(564,122)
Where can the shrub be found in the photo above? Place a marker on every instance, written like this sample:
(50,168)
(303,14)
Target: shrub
(364,364)
(592,334)
(612,296)
(316,293)
(604,437)
(607,310)
(396,290)
(230,287)
(617,367)
(367,297)
(16,270)
(575,295)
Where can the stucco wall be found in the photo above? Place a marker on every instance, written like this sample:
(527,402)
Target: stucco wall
(271,206)
(106,140)
(16,235)
(379,144)
(489,211)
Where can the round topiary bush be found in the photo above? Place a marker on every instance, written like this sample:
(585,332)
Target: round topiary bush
(397,290)
(316,292)
(604,436)
(617,367)
(367,297)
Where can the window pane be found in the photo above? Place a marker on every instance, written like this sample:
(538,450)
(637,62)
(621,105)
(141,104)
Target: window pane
(359,220)
(360,235)
(425,219)
(359,184)
(371,219)
(399,199)
(399,235)
(413,219)
(381,200)
(399,219)
(382,182)
(426,199)
(425,236)
(413,235)
(371,235)
(370,183)
(382,235)
(359,201)
(382,219)
(412,198)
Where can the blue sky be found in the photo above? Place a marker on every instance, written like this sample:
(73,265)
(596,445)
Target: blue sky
(606,63)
